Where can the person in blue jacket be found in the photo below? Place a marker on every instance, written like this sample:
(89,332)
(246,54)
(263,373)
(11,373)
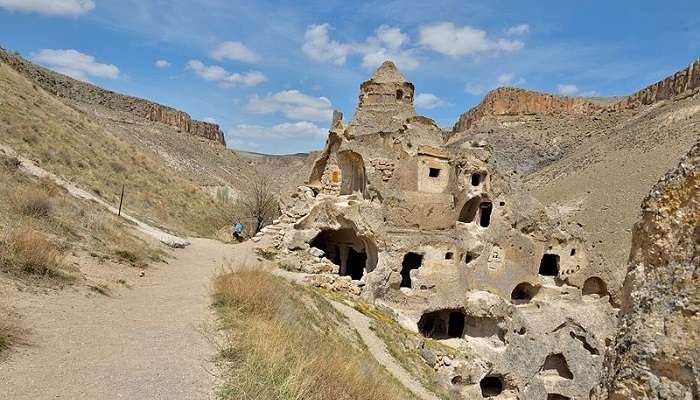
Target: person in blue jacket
(238,231)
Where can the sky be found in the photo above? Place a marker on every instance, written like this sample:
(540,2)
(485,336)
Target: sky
(271,72)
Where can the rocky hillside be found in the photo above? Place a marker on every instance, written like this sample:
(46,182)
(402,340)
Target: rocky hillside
(514,101)
(656,355)
(78,91)
(685,82)
(50,132)
(595,163)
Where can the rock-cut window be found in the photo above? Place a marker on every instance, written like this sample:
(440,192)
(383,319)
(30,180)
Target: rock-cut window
(434,172)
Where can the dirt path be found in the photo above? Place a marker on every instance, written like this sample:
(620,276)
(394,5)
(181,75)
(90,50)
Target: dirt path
(142,343)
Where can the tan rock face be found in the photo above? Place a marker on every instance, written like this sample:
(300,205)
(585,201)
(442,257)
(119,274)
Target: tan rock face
(680,83)
(657,354)
(514,101)
(433,232)
(64,86)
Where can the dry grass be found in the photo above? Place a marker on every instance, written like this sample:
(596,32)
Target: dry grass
(284,343)
(67,143)
(42,223)
(26,251)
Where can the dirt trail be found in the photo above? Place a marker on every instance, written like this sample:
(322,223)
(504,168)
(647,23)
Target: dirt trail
(142,343)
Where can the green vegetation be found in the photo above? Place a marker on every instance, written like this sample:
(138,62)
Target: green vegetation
(287,342)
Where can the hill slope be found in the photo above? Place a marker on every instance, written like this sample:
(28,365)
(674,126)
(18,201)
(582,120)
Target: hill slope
(595,161)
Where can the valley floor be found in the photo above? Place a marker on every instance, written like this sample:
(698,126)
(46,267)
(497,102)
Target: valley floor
(143,342)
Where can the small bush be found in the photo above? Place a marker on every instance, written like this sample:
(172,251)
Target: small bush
(128,256)
(34,203)
(10,163)
(26,251)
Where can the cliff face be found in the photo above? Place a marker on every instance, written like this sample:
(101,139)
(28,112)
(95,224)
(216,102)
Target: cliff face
(514,101)
(656,355)
(64,86)
(677,84)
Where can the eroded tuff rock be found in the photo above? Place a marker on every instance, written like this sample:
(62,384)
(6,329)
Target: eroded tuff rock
(86,93)
(435,234)
(514,101)
(683,82)
(657,354)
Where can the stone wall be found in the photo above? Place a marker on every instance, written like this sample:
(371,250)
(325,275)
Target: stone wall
(75,90)
(514,101)
(681,82)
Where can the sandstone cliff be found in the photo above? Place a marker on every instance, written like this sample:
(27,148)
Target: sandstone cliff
(514,101)
(82,92)
(680,83)
(656,354)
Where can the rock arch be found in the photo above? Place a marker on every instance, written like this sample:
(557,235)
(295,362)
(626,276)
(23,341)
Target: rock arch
(354,254)
(477,209)
(594,286)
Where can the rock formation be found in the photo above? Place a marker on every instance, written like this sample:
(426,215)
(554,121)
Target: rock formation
(431,231)
(684,82)
(86,93)
(513,101)
(657,354)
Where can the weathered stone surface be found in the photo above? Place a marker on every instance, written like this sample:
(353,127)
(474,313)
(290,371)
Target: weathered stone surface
(657,354)
(680,83)
(431,231)
(514,101)
(83,92)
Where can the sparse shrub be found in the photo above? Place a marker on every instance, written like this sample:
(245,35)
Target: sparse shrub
(117,167)
(34,203)
(10,163)
(128,256)
(26,251)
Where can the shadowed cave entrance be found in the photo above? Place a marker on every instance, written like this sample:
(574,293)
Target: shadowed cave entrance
(549,265)
(352,253)
(410,262)
(442,324)
(477,209)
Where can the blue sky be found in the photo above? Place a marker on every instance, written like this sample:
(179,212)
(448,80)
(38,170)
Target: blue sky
(270,72)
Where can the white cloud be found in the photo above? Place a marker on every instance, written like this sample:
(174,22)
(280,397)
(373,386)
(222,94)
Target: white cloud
(521,29)
(75,64)
(65,8)
(448,39)
(504,79)
(284,130)
(218,74)
(567,89)
(392,37)
(427,101)
(387,43)
(318,45)
(589,93)
(293,104)
(162,64)
(210,120)
(235,51)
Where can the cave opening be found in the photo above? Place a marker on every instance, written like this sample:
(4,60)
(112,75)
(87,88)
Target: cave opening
(549,265)
(410,262)
(491,385)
